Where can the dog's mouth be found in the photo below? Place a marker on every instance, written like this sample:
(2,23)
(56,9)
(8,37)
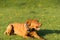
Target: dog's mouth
(37,29)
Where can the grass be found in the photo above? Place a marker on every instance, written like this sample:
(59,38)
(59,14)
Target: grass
(46,11)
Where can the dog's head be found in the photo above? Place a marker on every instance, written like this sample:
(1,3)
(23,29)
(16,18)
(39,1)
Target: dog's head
(33,24)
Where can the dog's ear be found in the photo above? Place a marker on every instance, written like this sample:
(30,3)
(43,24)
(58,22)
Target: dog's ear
(28,22)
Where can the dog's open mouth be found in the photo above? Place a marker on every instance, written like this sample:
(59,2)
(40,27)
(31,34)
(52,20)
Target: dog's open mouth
(37,29)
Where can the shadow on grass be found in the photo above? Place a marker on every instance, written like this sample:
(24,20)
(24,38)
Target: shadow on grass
(45,32)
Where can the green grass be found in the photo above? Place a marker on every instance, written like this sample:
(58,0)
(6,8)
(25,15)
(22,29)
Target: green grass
(46,11)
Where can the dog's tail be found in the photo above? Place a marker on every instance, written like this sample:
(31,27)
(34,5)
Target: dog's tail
(9,29)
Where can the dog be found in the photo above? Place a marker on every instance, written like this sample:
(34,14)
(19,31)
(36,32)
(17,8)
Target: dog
(25,30)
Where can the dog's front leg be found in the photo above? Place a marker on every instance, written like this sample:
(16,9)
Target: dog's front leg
(34,34)
(24,36)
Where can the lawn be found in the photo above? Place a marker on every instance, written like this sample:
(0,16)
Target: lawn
(46,11)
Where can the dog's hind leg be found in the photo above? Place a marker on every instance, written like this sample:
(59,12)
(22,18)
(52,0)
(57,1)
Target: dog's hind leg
(8,30)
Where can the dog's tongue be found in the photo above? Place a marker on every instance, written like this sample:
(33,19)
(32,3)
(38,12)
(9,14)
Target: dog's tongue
(38,29)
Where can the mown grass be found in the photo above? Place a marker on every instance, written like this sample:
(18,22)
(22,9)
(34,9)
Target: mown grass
(46,11)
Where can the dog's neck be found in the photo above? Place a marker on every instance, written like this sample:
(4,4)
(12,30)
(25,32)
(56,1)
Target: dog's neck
(27,26)
(29,29)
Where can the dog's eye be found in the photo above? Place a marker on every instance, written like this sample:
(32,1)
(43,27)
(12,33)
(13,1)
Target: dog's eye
(36,26)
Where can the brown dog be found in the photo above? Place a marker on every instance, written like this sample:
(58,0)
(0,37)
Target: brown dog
(27,29)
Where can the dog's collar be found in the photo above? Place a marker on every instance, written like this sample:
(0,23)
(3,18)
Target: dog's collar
(27,26)
(28,29)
